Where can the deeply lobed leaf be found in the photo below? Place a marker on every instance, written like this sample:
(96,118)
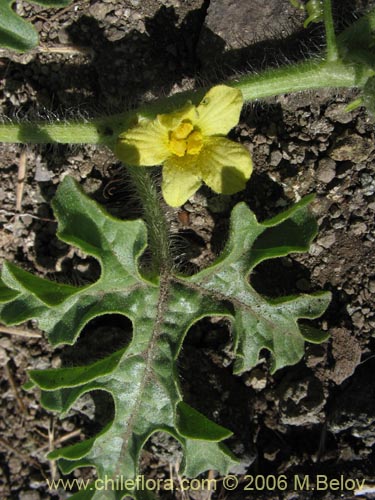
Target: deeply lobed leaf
(141,378)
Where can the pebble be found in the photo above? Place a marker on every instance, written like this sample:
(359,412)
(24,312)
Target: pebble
(29,495)
(338,113)
(15,465)
(256,379)
(359,228)
(315,250)
(368,184)
(275,158)
(352,148)
(358,319)
(99,10)
(6,343)
(4,358)
(42,174)
(322,126)
(326,170)
(91,185)
(371,286)
(327,241)
(250,22)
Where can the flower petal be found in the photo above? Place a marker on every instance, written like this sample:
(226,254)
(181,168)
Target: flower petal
(219,110)
(224,165)
(145,145)
(179,179)
(172,120)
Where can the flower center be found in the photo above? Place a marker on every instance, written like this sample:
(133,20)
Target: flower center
(185,140)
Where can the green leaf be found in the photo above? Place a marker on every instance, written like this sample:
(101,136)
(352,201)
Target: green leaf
(50,380)
(6,293)
(260,322)
(369,95)
(356,46)
(194,425)
(142,378)
(15,32)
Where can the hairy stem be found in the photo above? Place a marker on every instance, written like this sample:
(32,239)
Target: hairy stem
(332,52)
(304,76)
(158,234)
(104,131)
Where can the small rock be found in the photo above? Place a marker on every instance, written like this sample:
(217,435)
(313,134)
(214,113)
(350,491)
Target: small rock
(256,379)
(235,24)
(335,211)
(346,352)
(327,241)
(368,184)
(99,10)
(4,358)
(85,405)
(42,174)
(359,228)
(315,250)
(352,148)
(358,319)
(91,185)
(371,286)
(321,126)
(14,465)
(6,343)
(301,401)
(29,495)
(338,113)
(326,170)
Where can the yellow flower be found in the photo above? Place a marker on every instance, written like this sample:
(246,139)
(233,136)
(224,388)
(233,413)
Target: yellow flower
(190,144)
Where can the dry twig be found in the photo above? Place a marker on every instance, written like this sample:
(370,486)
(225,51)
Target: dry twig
(21,179)
(65,49)
(60,440)
(51,447)
(14,388)
(25,214)
(20,333)
(210,477)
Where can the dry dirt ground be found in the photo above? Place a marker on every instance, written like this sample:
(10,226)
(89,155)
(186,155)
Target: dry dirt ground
(317,417)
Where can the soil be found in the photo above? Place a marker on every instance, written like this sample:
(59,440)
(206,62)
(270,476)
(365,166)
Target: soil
(317,417)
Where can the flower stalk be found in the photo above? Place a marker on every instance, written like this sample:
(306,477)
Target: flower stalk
(332,50)
(154,217)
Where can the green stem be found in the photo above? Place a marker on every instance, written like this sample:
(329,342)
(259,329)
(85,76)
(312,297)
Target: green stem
(99,131)
(332,52)
(158,234)
(303,76)
(104,131)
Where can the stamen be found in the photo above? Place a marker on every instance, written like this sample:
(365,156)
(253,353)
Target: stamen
(177,146)
(185,140)
(183,130)
(194,143)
